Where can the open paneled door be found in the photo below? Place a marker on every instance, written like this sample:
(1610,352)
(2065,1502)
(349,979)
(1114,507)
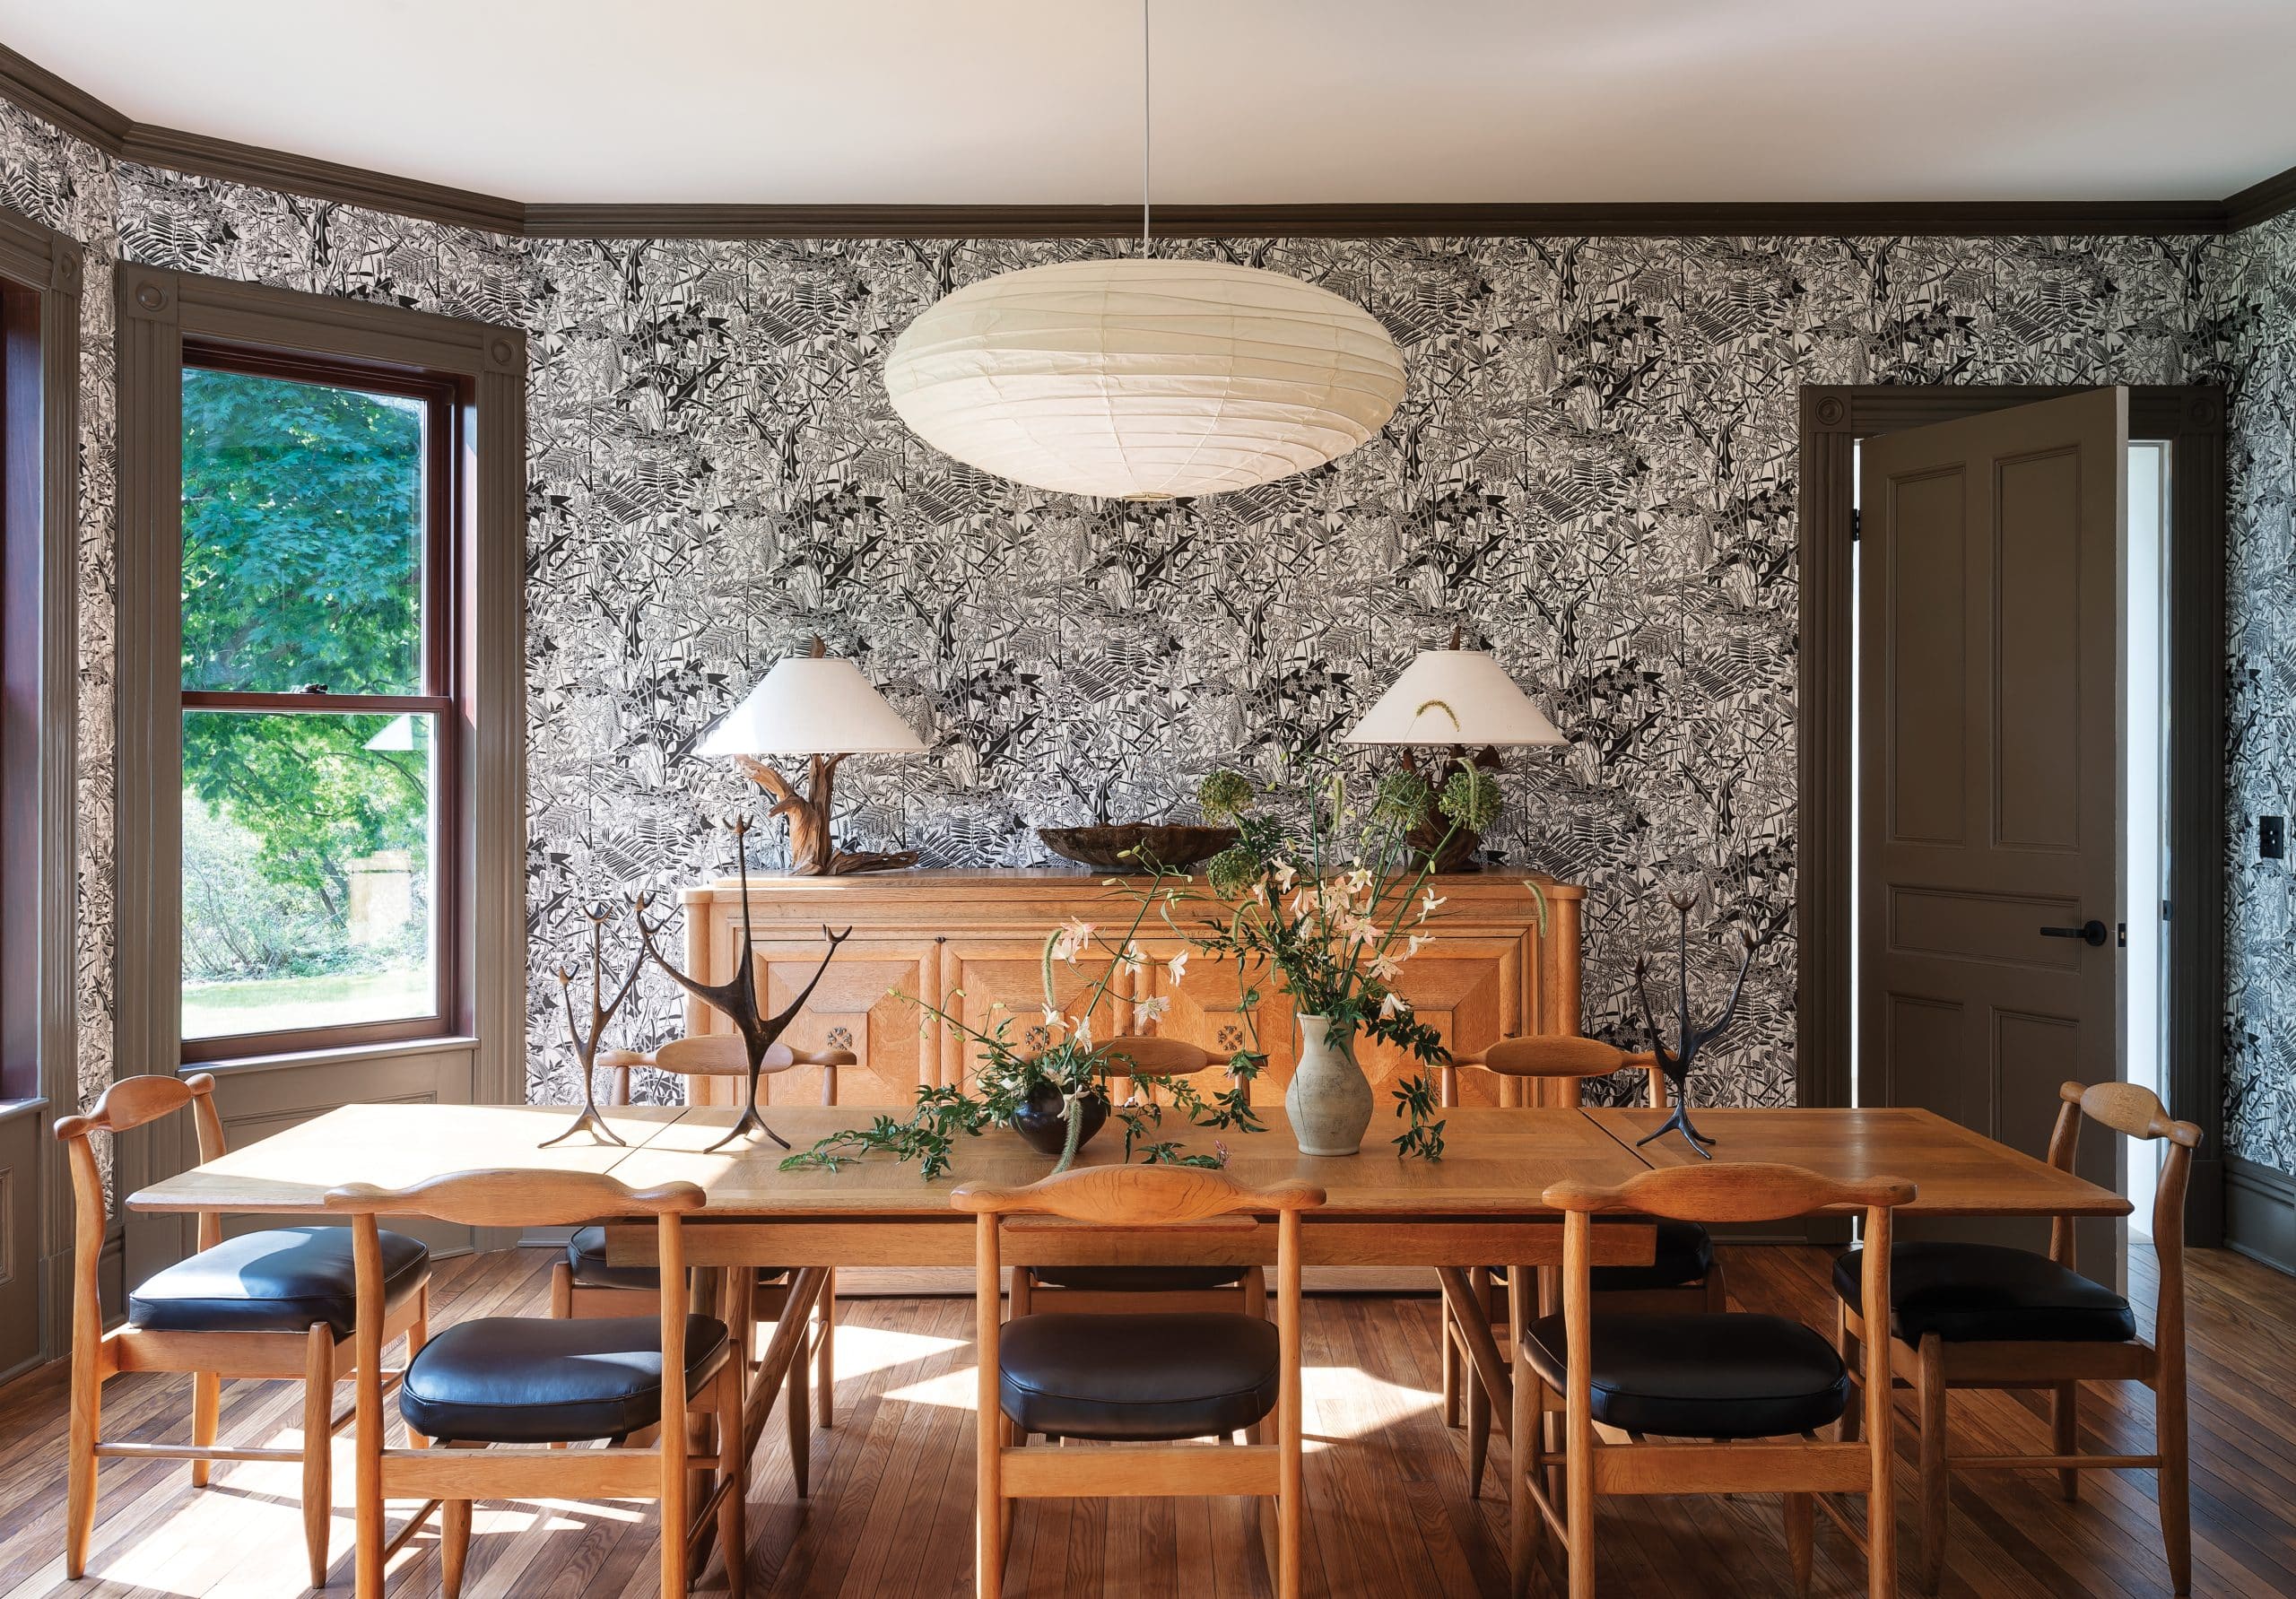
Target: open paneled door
(1989,919)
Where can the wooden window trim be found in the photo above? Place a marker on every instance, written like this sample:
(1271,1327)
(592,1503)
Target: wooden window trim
(440,695)
(2191,418)
(159,311)
(40,428)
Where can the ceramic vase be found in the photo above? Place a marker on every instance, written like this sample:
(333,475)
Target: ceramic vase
(1329,1099)
(1043,1129)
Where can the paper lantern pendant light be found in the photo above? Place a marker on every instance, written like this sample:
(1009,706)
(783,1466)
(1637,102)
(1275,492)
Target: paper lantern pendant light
(1145,379)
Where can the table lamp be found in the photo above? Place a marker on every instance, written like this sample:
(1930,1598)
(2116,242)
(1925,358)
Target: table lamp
(818,705)
(1463,699)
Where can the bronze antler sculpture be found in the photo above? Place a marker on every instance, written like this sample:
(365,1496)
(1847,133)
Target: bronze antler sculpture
(1676,1062)
(586,1049)
(736,998)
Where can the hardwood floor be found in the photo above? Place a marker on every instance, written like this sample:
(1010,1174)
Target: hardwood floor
(1388,1514)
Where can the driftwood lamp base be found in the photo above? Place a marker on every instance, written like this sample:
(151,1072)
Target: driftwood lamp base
(811,851)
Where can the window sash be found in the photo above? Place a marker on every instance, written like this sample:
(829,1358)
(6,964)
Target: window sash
(445,512)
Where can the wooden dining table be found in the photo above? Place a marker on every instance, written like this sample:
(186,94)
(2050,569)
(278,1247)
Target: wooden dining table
(1480,1205)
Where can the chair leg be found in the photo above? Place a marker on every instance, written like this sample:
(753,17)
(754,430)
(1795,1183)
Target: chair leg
(80,1455)
(1929,1396)
(1845,1344)
(801,1424)
(561,1291)
(1522,1461)
(733,1467)
(2174,1482)
(1452,1411)
(1801,1537)
(1718,1290)
(319,1447)
(825,1358)
(2065,1432)
(1478,1400)
(206,1407)
(454,1545)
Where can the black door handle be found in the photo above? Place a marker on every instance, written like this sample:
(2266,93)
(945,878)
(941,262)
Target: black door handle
(2090,933)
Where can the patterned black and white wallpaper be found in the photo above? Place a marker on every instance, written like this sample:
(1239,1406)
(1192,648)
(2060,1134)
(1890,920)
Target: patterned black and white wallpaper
(1594,469)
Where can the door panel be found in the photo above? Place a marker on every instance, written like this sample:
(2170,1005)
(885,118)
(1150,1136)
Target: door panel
(1990,766)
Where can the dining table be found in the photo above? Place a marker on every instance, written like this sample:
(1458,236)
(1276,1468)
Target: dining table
(1481,1205)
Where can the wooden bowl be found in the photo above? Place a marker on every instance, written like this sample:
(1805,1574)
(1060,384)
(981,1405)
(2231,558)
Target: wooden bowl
(1109,845)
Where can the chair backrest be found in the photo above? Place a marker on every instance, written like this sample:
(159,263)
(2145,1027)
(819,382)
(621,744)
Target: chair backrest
(2137,1112)
(1136,1196)
(128,1103)
(1564,1061)
(721,1055)
(1143,1056)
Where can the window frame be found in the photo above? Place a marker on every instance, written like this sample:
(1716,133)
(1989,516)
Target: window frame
(446,398)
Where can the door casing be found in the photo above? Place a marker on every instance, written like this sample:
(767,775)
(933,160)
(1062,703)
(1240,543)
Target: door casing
(2191,418)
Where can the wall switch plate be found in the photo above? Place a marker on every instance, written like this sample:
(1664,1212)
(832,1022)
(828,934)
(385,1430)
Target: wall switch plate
(2272,838)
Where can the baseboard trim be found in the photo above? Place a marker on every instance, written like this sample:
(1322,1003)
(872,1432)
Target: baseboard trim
(2260,1213)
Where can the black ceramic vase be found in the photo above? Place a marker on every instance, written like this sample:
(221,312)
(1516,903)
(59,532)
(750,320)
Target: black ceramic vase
(1042,1127)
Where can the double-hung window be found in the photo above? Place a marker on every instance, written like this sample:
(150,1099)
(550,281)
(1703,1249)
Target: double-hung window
(322,545)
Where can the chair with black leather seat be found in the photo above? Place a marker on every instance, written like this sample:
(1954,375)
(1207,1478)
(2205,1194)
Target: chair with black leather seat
(1683,1272)
(1086,1288)
(1141,1385)
(508,1389)
(1753,1389)
(1984,1316)
(587,1284)
(278,1303)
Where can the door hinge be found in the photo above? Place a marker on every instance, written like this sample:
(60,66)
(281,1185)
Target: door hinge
(1856,520)
(2164,911)
(2124,935)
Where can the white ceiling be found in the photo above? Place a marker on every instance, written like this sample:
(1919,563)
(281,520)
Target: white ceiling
(1038,101)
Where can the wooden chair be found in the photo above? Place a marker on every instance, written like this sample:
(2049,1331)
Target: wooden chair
(1684,1274)
(510,1387)
(585,1284)
(1728,1378)
(1139,1384)
(1126,1289)
(1984,1316)
(273,1304)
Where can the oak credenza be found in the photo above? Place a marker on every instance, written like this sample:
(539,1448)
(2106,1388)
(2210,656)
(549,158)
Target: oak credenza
(972,940)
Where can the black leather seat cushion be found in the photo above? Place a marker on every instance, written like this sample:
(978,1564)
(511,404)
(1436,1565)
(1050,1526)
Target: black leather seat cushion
(1683,1253)
(585,1256)
(1733,1376)
(520,1380)
(1989,1293)
(278,1280)
(1138,1279)
(1138,1378)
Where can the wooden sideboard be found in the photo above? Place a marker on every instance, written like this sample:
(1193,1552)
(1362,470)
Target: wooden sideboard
(970,940)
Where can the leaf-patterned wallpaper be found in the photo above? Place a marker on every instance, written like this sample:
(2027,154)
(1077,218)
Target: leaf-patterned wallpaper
(1594,469)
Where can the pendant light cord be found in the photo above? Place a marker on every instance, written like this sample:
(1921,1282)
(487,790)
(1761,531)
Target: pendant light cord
(1143,125)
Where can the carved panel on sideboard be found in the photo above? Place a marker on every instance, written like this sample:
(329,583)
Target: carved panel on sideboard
(972,940)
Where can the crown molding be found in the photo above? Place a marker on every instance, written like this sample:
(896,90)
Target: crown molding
(221,158)
(67,105)
(2261,202)
(44,94)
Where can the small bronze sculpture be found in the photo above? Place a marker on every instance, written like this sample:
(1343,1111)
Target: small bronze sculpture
(736,998)
(1677,1063)
(590,1119)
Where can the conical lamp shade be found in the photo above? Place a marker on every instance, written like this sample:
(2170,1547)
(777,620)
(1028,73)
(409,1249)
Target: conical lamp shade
(811,704)
(1454,697)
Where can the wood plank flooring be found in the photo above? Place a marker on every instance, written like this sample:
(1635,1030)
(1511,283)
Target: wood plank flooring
(891,1512)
